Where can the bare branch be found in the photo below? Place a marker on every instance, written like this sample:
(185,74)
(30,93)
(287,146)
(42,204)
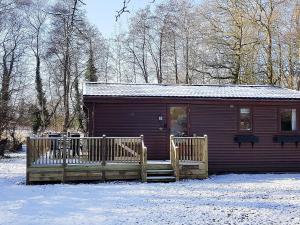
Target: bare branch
(123,9)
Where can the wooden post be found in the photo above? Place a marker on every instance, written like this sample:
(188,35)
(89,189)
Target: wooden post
(143,160)
(171,154)
(205,151)
(142,141)
(145,164)
(174,157)
(177,163)
(201,150)
(28,159)
(170,150)
(64,158)
(103,155)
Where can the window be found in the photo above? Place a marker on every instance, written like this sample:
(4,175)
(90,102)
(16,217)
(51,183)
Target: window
(288,120)
(245,119)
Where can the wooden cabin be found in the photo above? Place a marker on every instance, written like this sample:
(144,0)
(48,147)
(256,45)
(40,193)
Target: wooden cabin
(163,133)
(251,128)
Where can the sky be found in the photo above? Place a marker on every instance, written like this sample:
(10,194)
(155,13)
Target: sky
(102,14)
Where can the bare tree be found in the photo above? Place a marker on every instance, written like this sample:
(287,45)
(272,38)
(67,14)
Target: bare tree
(37,16)
(67,18)
(267,15)
(139,35)
(12,46)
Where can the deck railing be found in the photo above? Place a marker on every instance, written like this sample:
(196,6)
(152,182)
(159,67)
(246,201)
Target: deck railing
(84,150)
(187,149)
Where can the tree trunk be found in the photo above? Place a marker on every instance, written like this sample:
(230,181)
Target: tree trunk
(160,57)
(187,76)
(270,69)
(145,73)
(78,99)
(66,85)
(175,60)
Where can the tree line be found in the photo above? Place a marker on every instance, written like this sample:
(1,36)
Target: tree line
(215,41)
(48,48)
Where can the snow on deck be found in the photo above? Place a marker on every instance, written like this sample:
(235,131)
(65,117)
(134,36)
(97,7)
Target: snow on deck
(226,199)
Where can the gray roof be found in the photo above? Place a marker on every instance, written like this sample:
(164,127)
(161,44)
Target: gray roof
(189,91)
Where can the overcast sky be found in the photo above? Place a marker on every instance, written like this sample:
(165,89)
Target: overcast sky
(102,14)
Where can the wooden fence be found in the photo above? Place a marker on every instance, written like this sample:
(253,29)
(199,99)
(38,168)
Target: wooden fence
(84,150)
(188,150)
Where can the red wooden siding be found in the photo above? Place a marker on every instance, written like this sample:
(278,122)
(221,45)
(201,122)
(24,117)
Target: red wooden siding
(220,123)
(218,119)
(133,120)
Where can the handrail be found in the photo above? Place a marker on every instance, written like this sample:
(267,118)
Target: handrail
(60,138)
(190,137)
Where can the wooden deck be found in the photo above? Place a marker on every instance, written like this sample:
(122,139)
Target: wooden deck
(104,158)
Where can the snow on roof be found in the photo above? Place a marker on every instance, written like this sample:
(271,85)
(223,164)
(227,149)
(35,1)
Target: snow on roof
(189,91)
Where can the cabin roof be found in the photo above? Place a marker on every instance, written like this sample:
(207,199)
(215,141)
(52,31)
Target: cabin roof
(189,91)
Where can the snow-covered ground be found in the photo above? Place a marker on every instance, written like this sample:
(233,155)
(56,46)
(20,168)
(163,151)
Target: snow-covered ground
(227,199)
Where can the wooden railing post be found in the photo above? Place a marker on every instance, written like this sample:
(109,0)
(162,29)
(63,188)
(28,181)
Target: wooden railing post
(28,159)
(174,157)
(205,152)
(177,163)
(64,158)
(201,150)
(64,150)
(143,160)
(103,150)
(103,155)
(145,164)
(171,154)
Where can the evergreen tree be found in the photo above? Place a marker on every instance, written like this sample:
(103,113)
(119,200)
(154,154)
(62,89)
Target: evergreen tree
(35,119)
(42,122)
(90,74)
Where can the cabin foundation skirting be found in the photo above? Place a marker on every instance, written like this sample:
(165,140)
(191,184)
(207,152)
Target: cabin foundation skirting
(193,171)
(59,174)
(83,173)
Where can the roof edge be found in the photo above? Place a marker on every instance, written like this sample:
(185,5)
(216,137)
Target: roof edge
(169,84)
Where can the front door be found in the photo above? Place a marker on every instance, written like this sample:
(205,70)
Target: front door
(178,121)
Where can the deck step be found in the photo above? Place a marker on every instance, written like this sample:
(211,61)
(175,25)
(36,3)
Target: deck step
(157,166)
(163,179)
(160,172)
